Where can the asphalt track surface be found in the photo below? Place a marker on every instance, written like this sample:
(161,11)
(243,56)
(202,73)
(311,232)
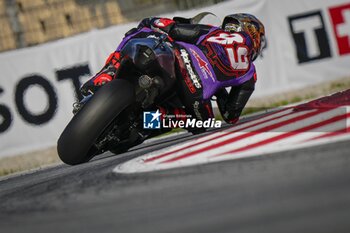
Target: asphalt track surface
(305,190)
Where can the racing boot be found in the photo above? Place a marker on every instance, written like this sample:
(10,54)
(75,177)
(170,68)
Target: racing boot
(107,74)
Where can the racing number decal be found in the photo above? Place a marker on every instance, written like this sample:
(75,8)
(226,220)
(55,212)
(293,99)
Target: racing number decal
(227,38)
(237,52)
(238,58)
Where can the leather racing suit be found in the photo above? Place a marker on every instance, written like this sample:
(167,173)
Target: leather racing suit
(229,55)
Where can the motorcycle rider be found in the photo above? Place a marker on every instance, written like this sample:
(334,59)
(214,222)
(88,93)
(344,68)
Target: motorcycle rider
(230,50)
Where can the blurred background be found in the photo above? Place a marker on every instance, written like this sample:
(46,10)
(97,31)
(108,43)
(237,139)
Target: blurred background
(30,22)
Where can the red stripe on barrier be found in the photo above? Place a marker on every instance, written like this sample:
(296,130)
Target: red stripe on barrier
(264,116)
(288,134)
(249,134)
(331,134)
(222,135)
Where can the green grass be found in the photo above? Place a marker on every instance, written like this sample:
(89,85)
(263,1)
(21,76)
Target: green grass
(338,85)
(11,170)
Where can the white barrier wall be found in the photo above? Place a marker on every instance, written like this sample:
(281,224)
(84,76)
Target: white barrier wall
(308,42)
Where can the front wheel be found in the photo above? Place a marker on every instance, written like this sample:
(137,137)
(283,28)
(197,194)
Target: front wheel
(76,143)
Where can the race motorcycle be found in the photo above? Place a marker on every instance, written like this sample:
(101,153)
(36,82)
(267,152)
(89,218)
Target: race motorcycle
(110,119)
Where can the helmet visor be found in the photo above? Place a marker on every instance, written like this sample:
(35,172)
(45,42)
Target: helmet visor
(232,27)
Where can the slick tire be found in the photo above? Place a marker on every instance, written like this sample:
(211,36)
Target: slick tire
(76,143)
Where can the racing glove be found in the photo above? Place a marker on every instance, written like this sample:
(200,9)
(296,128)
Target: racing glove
(162,25)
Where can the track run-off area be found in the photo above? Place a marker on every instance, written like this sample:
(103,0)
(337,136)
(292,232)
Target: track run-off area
(284,170)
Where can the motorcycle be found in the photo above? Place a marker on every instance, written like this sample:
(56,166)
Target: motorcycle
(110,119)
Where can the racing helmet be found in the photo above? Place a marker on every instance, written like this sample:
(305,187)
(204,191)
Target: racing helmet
(249,24)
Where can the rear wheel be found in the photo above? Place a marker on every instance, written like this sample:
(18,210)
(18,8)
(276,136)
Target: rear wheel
(76,143)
